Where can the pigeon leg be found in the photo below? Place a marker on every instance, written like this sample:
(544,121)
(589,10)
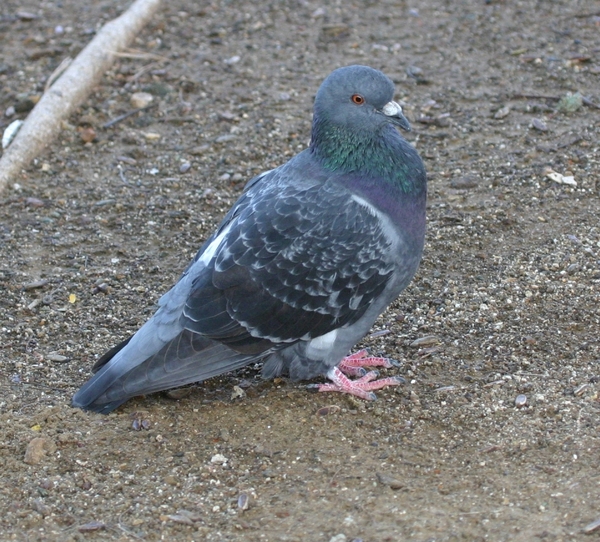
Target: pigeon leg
(363,386)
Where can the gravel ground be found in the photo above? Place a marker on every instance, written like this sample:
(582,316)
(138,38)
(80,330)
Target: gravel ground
(496,435)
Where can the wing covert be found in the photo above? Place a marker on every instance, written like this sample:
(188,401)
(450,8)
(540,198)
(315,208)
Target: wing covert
(298,261)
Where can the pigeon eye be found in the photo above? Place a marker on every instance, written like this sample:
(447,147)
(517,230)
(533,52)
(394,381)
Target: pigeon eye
(358,99)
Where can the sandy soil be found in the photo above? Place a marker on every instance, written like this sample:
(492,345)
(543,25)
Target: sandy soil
(496,435)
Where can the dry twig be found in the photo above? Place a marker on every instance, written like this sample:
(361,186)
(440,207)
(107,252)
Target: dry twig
(67,93)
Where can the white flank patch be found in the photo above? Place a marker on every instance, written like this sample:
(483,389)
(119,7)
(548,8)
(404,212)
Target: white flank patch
(211,249)
(322,344)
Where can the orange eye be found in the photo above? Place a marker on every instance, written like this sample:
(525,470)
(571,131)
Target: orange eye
(358,99)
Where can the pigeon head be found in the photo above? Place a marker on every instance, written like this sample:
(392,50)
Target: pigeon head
(354,127)
(358,98)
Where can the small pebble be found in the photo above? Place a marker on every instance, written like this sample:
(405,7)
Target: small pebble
(185,167)
(26,15)
(591,527)
(580,389)
(326,411)
(180,518)
(91,526)
(34,202)
(539,125)
(87,134)
(463,183)
(502,113)
(37,449)
(520,400)
(380,333)
(179,393)
(53,356)
(243,501)
(10,111)
(35,284)
(219,459)
(237,392)
(390,481)
(224,138)
(425,341)
(141,99)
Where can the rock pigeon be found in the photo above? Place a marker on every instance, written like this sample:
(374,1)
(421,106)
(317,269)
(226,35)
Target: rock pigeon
(301,266)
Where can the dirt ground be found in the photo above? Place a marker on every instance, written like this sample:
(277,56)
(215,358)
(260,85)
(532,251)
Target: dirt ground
(495,436)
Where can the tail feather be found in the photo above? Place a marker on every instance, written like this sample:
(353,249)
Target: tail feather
(107,356)
(186,359)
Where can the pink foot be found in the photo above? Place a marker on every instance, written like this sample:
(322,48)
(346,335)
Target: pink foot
(363,386)
(353,364)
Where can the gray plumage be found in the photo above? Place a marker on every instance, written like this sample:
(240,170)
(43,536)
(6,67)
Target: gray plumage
(300,267)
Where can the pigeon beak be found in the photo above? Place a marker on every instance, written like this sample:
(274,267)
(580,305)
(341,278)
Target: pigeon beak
(394,111)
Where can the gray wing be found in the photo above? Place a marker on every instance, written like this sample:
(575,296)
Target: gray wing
(294,260)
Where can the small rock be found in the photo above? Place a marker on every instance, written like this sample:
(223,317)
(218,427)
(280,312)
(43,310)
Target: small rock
(237,392)
(218,459)
(591,527)
(243,501)
(141,99)
(539,125)
(326,411)
(390,481)
(227,115)
(179,393)
(334,32)
(200,150)
(37,449)
(520,400)
(502,113)
(425,341)
(55,356)
(185,167)
(26,15)
(559,178)
(338,538)
(463,183)
(579,390)
(34,202)
(35,284)
(91,527)
(87,134)
(224,138)
(10,111)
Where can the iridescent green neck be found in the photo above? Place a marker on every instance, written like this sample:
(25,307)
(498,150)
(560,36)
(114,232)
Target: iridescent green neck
(382,155)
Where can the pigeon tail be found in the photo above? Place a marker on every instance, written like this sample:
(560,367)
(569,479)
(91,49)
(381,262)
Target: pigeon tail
(186,359)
